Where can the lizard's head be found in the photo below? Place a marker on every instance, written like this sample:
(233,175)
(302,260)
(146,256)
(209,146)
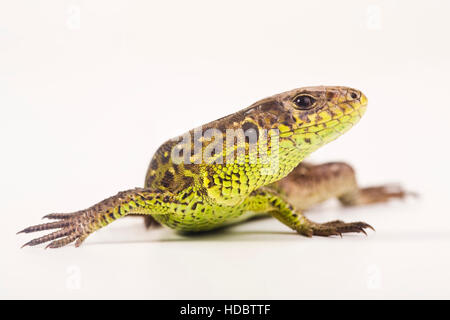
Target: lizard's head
(310,117)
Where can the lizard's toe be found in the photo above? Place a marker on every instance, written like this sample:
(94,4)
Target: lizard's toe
(338,227)
(72,227)
(46,226)
(49,237)
(62,216)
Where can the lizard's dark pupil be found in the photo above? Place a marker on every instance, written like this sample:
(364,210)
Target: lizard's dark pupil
(354,95)
(304,102)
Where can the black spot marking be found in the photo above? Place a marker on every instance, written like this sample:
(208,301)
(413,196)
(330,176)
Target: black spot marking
(165,155)
(153,165)
(167,180)
(270,106)
(184,183)
(287,123)
(261,122)
(273,120)
(177,168)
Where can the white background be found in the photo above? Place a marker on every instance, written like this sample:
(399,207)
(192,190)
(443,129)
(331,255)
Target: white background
(90,89)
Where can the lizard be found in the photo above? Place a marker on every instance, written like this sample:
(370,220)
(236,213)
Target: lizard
(209,180)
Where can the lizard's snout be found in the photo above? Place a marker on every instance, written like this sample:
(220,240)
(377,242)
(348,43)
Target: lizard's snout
(363,100)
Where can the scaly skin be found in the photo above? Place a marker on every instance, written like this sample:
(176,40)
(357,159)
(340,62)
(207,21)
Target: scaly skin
(199,194)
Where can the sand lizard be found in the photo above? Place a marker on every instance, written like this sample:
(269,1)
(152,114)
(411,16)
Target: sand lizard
(196,193)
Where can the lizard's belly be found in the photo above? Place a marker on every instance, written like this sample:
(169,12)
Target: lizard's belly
(204,217)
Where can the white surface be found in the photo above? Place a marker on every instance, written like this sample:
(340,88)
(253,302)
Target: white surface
(88,90)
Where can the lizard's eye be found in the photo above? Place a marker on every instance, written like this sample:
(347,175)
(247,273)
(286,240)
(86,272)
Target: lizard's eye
(304,102)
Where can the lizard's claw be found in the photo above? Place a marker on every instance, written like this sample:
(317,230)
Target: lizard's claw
(336,228)
(73,226)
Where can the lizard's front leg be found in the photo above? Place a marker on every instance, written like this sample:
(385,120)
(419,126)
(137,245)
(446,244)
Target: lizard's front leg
(268,200)
(79,225)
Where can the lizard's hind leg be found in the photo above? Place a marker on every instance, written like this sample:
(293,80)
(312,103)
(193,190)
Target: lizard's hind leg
(310,184)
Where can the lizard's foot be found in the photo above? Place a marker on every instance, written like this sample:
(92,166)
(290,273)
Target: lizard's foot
(375,195)
(73,227)
(333,228)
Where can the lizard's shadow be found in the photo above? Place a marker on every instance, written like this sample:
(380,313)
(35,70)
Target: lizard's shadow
(264,236)
(233,234)
(228,234)
(225,234)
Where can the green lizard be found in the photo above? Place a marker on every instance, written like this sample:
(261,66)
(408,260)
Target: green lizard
(243,165)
